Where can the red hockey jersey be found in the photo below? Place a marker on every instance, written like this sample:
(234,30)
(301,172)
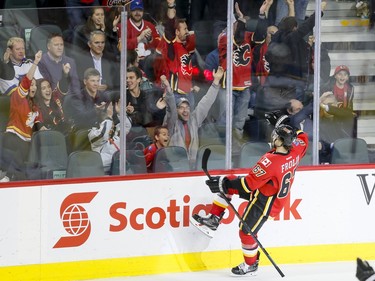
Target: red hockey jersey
(273,175)
(179,67)
(133,32)
(22,117)
(242,60)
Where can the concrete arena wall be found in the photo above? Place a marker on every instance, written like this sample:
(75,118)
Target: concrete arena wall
(110,227)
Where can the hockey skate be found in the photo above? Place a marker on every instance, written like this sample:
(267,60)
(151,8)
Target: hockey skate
(207,225)
(244,269)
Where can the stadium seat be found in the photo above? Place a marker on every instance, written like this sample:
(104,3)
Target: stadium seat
(217,157)
(39,36)
(83,164)
(349,150)
(209,134)
(6,32)
(4,111)
(48,155)
(135,162)
(308,158)
(80,140)
(205,41)
(251,152)
(22,14)
(137,138)
(171,159)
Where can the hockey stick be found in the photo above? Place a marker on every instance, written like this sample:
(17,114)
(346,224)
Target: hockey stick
(206,155)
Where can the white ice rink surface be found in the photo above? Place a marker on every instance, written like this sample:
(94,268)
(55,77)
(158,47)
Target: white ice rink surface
(335,271)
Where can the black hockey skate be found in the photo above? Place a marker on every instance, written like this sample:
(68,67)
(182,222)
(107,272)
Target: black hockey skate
(244,269)
(207,225)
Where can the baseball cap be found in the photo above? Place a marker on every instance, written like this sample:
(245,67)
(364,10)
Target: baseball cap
(136,5)
(341,67)
(180,101)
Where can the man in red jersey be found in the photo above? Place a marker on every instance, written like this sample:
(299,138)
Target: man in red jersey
(141,34)
(266,187)
(176,49)
(243,45)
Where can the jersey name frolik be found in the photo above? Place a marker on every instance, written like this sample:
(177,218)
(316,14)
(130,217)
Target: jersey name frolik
(290,164)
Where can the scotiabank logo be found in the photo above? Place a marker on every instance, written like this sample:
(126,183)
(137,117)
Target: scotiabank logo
(175,214)
(75,219)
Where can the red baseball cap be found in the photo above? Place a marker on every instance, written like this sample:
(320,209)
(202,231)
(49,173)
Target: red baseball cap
(342,67)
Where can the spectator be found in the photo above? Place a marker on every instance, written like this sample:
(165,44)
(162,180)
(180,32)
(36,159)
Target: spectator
(96,58)
(6,69)
(177,48)
(50,102)
(98,21)
(336,103)
(161,139)
(141,34)
(325,63)
(301,117)
(372,15)
(291,35)
(54,61)
(260,63)
(182,124)
(24,119)
(105,138)
(79,10)
(276,91)
(138,102)
(86,108)
(211,63)
(133,60)
(154,94)
(285,7)
(15,52)
(244,42)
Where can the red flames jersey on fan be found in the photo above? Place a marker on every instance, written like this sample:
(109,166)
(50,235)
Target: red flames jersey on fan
(262,66)
(180,68)
(274,173)
(242,59)
(21,117)
(134,31)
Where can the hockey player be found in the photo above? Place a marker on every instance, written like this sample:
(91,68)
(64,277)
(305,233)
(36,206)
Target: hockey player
(266,187)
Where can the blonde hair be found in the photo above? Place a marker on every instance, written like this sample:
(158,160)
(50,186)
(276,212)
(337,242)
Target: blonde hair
(14,40)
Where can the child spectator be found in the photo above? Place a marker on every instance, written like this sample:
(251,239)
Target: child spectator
(336,102)
(161,139)
(105,138)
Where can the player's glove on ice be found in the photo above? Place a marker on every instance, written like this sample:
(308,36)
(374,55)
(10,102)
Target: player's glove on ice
(217,184)
(364,271)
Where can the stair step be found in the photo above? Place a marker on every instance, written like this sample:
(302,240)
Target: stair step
(335,9)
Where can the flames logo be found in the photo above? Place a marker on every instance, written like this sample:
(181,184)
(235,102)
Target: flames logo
(242,55)
(186,67)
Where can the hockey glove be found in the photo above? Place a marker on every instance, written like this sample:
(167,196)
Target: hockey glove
(283,120)
(276,118)
(364,270)
(217,184)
